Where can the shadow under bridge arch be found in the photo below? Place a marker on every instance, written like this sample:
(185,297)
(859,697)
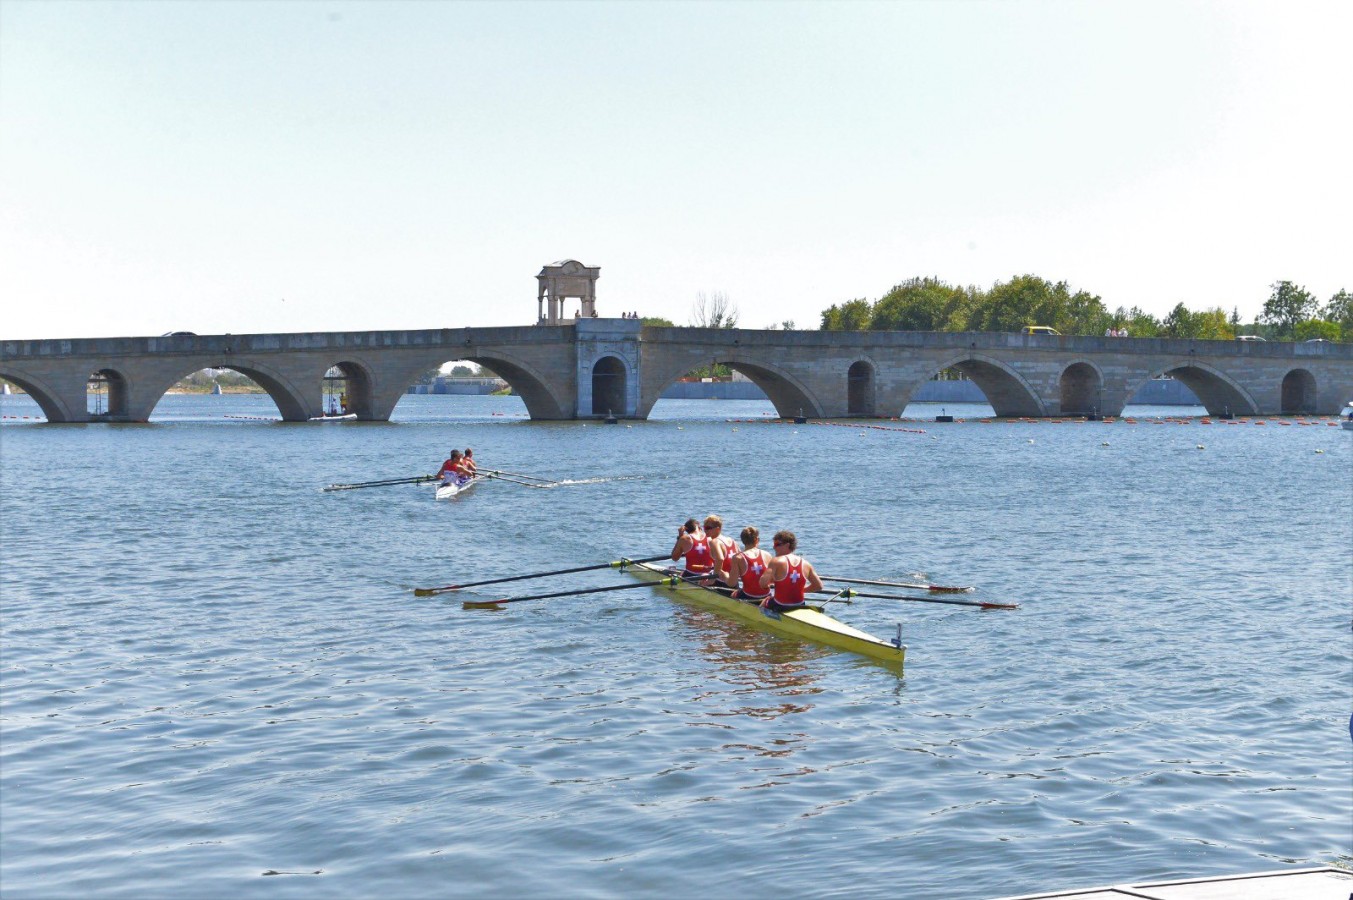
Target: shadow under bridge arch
(1215,390)
(1010,395)
(609,386)
(540,402)
(786,393)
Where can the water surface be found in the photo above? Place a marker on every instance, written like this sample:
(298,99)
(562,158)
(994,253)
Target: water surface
(213,671)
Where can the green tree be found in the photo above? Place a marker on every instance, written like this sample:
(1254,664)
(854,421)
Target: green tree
(853,315)
(1340,310)
(1318,328)
(1030,300)
(1138,322)
(920,304)
(1286,306)
(658,322)
(1178,323)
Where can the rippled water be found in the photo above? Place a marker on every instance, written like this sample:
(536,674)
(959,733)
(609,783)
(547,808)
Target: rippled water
(217,680)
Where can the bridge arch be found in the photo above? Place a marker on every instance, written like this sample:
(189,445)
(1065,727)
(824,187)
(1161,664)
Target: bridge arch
(861,388)
(1298,392)
(290,400)
(106,396)
(1081,389)
(355,388)
(45,396)
(609,385)
(786,392)
(1219,393)
(1010,395)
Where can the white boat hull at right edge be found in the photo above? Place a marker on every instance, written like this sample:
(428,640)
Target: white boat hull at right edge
(1346,416)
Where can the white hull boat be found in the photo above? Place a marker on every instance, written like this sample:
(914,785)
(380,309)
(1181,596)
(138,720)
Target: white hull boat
(449,489)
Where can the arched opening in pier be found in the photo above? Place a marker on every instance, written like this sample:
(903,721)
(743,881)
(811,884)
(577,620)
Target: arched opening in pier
(106,395)
(1082,389)
(346,392)
(608,387)
(860,389)
(1298,393)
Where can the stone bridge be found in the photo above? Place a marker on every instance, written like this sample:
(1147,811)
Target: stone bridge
(599,367)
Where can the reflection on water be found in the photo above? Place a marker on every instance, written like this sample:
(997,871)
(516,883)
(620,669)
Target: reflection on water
(753,665)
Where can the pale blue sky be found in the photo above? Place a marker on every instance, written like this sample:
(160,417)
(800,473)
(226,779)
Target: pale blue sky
(291,166)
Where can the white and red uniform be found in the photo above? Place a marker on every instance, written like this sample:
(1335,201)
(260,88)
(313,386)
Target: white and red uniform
(452,469)
(698,560)
(757,560)
(730,547)
(793,588)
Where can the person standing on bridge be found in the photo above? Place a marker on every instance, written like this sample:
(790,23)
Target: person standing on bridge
(791,576)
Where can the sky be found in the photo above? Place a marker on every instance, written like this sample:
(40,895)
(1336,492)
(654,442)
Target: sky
(244,167)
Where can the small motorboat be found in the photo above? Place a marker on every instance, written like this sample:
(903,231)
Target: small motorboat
(1346,416)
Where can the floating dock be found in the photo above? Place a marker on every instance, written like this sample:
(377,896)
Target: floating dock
(1324,883)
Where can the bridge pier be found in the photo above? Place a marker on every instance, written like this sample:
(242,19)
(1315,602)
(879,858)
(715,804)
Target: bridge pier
(608,368)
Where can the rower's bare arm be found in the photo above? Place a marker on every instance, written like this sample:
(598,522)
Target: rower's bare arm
(717,555)
(734,573)
(769,576)
(677,548)
(814,582)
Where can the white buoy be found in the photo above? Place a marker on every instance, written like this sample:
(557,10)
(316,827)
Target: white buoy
(1201,447)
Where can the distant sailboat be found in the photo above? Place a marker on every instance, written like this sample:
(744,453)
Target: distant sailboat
(216,389)
(4,389)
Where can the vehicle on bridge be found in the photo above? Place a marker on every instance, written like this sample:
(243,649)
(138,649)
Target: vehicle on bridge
(1039,329)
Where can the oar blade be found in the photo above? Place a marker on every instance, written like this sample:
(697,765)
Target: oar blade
(432,592)
(482,604)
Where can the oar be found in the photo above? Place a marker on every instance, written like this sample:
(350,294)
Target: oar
(494,604)
(419,479)
(428,592)
(844,592)
(520,475)
(501,477)
(982,603)
(935,588)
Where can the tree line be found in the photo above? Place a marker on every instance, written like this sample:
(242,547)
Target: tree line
(928,304)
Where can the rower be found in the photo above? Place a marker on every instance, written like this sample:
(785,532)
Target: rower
(792,576)
(745,568)
(468,461)
(721,549)
(692,545)
(454,469)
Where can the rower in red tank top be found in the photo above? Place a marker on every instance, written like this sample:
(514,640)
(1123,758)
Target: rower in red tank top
(692,545)
(721,549)
(745,568)
(792,576)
